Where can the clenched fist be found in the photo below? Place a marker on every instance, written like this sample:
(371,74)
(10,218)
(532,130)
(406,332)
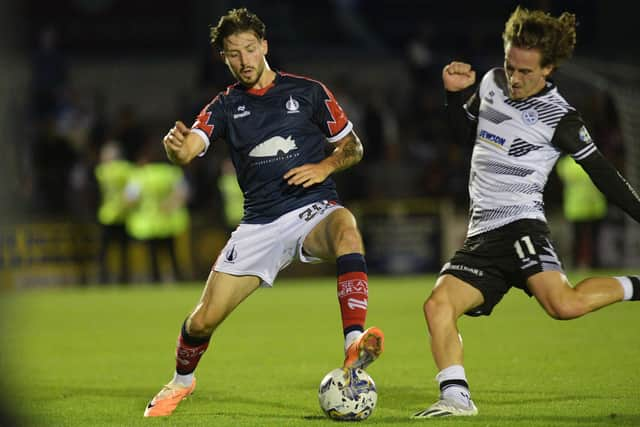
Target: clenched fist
(458,76)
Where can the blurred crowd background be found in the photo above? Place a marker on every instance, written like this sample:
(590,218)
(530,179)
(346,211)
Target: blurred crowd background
(91,83)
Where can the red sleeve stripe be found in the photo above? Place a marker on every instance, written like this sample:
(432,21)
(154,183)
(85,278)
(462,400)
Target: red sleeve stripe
(202,122)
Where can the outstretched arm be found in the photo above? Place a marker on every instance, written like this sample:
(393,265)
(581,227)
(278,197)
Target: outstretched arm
(572,137)
(347,153)
(613,185)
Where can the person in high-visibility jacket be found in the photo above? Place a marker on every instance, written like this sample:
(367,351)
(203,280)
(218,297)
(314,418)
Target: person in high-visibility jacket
(157,193)
(232,196)
(585,207)
(112,173)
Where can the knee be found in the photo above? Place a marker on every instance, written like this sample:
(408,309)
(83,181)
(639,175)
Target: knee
(566,308)
(560,300)
(437,310)
(350,236)
(343,229)
(562,313)
(349,240)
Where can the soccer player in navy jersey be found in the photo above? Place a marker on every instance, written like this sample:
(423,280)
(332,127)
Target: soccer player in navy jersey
(520,124)
(276,126)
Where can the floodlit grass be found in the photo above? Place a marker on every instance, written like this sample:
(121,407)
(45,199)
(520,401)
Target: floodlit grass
(95,356)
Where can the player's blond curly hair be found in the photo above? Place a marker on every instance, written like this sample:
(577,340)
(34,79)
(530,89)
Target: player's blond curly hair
(555,38)
(236,20)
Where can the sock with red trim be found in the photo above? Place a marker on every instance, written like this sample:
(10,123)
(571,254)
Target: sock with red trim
(353,291)
(189,350)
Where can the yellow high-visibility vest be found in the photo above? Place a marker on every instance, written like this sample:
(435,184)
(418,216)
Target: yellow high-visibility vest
(152,214)
(112,178)
(582,201)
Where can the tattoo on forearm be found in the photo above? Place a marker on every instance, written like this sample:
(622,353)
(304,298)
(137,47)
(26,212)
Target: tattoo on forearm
(348,152)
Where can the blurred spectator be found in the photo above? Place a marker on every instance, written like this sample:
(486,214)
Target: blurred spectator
(53,159)
(421,57)
(232,196)
(205,197)
(100,123)
(380,129)
(112,174)
(157,193)
(129,131)
(606,126)
(49,74)
(429,144)
(585,207)
(74,121)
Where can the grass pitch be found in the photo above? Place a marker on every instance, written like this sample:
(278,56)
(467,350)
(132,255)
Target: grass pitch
(95,356)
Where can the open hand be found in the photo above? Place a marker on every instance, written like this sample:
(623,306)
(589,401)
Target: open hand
(307,175)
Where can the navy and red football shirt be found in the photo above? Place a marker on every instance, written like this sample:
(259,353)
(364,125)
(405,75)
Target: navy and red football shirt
(271,131)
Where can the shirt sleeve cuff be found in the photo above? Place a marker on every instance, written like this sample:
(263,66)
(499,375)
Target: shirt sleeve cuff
(344,132)
(205,139)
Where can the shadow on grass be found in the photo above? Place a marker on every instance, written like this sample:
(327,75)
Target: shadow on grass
(524,397)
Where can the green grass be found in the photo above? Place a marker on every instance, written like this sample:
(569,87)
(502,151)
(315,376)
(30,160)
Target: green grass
(95,356)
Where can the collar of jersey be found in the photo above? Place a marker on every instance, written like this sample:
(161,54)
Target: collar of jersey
(264,90)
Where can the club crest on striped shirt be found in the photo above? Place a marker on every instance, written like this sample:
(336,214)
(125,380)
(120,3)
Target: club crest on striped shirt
(530,116)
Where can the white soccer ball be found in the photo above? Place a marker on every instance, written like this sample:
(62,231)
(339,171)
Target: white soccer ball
(347,394)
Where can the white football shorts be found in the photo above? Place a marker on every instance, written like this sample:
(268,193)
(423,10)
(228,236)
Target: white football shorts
(263,250)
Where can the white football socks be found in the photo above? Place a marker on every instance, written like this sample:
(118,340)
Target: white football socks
(351,338)
(627,287)
(456,392)
(184,380)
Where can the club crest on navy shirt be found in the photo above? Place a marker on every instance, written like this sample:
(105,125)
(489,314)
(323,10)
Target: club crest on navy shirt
(292,106)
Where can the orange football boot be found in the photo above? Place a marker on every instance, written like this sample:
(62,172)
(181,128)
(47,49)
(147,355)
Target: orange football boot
(166,401)
(365,349)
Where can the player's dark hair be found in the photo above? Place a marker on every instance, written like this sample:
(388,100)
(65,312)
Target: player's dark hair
(555,38)
(236,21)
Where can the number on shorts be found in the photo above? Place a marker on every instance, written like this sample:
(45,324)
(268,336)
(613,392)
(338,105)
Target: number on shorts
(313,210)
(528,245)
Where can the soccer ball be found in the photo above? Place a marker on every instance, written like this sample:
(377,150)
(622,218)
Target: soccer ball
(347,394)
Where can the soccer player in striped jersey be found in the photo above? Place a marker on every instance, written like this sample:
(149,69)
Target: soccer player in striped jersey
(276,126)
(520,124)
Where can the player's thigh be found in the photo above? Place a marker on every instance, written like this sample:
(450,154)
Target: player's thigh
(334,236)
(222,294)
(455,295)
(550,288)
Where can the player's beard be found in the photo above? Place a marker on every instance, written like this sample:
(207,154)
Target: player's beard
(249,81)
